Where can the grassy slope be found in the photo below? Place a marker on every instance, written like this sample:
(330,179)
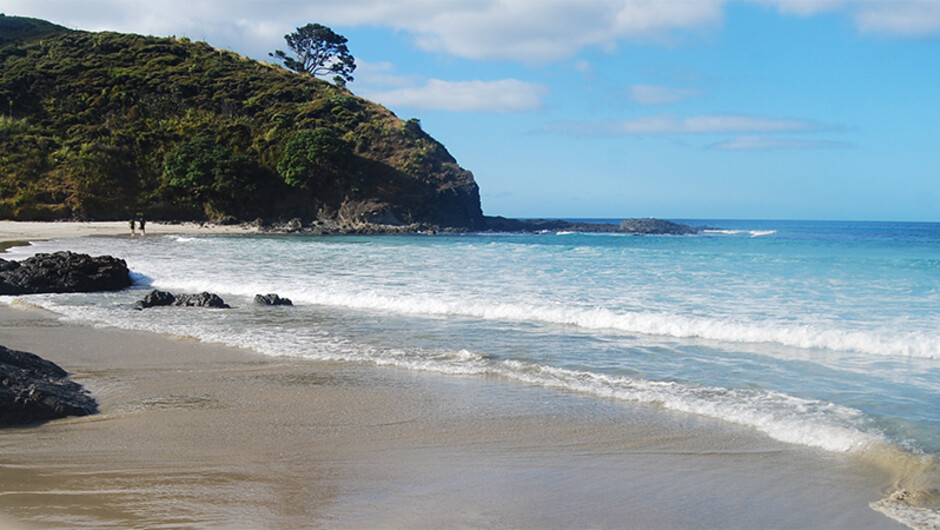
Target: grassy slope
(89,119)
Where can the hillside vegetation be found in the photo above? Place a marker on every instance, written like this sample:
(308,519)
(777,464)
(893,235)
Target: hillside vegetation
(105,125)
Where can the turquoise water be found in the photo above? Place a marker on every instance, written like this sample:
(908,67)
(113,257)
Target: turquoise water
(822,334)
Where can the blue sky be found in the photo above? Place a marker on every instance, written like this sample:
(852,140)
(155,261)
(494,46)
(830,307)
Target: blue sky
(769,109)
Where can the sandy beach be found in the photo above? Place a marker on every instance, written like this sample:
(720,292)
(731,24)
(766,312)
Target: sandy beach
(19,231)
(198,435)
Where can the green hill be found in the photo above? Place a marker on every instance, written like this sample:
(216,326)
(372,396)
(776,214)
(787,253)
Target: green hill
(104,125)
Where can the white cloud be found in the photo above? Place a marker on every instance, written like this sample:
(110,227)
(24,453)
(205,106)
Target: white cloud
(506,95)
(763,143)
(658,95)
(524,30)
(803,7)
(905,19)
(900,18)
(520,30)
(382,74)
(706,124)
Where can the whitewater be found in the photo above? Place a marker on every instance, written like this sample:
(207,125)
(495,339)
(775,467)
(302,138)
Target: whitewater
(821,334)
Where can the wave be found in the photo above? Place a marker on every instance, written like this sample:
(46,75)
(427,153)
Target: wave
(653,323)
(752,233)
(783,417)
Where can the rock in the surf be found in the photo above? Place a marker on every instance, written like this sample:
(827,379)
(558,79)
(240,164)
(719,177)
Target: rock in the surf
(63,272)
(271,299)
(34,390)
(158,298)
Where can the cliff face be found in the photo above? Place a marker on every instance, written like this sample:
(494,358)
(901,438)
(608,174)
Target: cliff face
(105,125)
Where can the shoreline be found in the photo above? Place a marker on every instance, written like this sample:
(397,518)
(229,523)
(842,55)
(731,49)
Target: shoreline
(203,435)
(16,233)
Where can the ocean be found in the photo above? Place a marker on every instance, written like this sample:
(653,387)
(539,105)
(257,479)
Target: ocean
(818,334)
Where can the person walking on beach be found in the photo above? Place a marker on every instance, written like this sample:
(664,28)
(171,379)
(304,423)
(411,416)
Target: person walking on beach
(133,232)
(143,226)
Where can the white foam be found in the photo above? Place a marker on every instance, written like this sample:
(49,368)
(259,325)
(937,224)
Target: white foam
(782,417)
(916,517)
(879,342)
(752,233)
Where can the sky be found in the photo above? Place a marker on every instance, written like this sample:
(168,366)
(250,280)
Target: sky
(678,109)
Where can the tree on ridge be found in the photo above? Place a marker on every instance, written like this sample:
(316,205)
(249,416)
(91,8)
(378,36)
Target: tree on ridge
(319,51)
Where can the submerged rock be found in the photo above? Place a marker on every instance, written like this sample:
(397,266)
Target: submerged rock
(63,272)
(157,298)
(271,299)
(34,390)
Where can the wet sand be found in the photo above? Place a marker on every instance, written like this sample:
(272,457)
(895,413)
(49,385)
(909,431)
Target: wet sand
(197,435)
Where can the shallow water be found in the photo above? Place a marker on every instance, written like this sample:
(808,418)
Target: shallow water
(816,334)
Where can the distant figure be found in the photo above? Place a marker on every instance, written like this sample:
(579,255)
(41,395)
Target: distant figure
(143,226)
(133,232)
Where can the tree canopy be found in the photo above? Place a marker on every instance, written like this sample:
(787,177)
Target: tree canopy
(312,156)
(319,51)
(212,174)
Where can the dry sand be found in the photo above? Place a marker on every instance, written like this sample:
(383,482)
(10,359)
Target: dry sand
(32,231)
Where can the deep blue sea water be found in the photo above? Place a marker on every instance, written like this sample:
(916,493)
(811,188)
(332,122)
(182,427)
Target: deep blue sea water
(823,334)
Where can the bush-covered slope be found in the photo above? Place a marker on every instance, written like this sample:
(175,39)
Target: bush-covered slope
(104,125)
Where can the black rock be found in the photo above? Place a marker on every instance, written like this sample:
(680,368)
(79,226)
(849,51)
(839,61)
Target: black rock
(34,390)
(202,299)
(162,298)
(63,272)
(156,298)
(271,299)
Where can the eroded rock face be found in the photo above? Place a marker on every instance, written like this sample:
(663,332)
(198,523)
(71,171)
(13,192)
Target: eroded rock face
(34,390)
(63,272)
(157,298)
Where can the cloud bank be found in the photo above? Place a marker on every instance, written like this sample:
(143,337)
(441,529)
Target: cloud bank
(517,30)
(505,95)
